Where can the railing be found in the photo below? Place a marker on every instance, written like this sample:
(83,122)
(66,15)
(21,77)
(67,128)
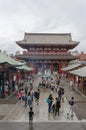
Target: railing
(45,53)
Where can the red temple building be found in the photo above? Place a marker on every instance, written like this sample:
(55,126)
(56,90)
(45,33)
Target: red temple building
(82,57)
(47,52)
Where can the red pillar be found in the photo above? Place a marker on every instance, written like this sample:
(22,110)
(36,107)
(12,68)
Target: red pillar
(34,65)
(51,68)
(42,67)
(60,67)
(18,75)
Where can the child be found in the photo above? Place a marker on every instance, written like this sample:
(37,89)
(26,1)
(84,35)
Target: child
(31,114)
(19,95)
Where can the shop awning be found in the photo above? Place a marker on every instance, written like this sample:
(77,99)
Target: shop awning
(6,59)
(79,72)
(70,67)
(25,67)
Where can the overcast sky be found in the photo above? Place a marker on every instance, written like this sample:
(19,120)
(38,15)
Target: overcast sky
(52,16)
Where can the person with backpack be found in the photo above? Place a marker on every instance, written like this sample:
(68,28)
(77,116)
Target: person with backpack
(37,96)
(50,101)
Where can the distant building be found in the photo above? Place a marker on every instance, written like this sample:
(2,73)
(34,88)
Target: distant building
(17,53)
(47,52)
(75,53)
(11,55)
(82,56)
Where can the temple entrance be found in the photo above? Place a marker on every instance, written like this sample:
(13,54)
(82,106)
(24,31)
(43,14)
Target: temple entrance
(39,68)
(47,69)
(55,67)
(47,54)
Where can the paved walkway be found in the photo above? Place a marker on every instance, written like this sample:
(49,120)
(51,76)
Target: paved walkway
(18,113)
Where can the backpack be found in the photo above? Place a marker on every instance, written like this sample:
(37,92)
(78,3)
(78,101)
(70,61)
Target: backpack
(29,100)
(71,102)
(47,100)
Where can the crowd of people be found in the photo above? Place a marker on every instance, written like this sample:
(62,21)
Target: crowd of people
(54,103)
(28,95)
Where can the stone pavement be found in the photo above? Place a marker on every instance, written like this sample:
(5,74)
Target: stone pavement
(43,126)
(18,113)
(15,116)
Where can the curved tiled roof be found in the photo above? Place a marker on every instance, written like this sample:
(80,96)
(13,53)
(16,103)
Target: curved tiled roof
(71,66)
(6,59)
(79,72)
(63,39)
(47,57)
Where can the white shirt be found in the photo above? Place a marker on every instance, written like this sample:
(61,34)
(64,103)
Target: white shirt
(16,87)
(71,83)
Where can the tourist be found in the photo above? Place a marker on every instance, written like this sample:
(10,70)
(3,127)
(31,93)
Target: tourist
(6,89)
(31,94)
(31,83)
(71,84)
(31,114)
(62,93)
(50,98)
(25,100)
(59,93)
(37,96)
(71,103)
(16,89)
(58,105)
(26,89)
(23,94)
(29,101)
(19,95)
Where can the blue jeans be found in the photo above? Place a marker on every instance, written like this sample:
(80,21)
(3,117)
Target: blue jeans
(49,107)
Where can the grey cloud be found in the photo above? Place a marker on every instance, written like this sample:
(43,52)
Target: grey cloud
(19,16)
